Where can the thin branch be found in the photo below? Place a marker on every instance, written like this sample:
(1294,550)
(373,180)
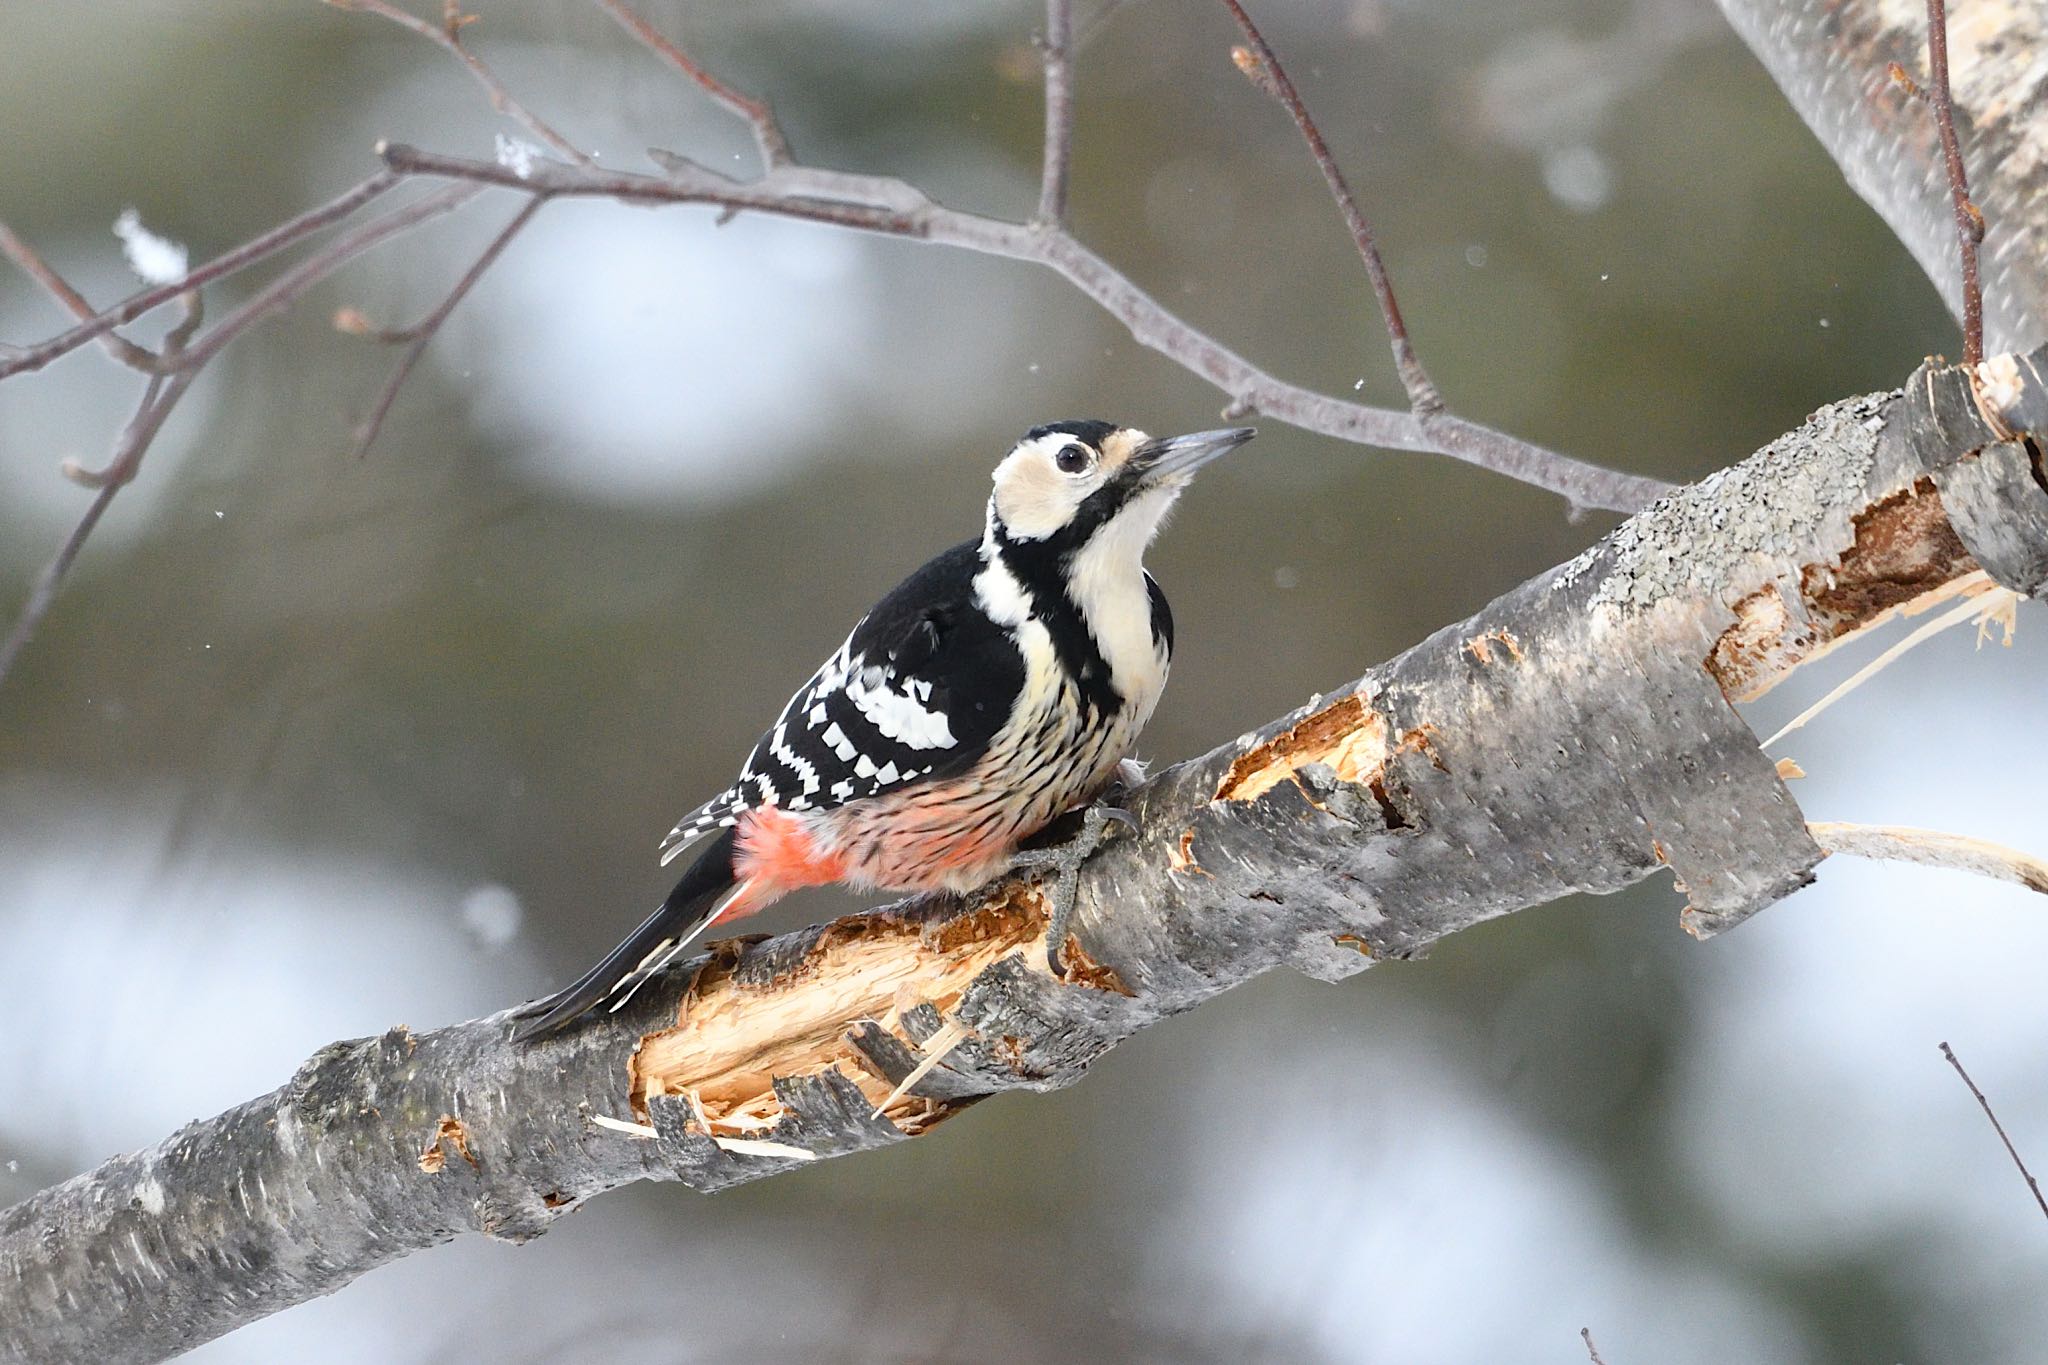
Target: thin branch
(769,139)
(887,205)
(258,248)
(159,396)
(1261,64)
(1592,1351)
(420,334)
(884,205)
(447,37)
(1932,848)
(1998,1128)
(1969,219)
(287,288)
(1056,49)
(119,347)
(181,364)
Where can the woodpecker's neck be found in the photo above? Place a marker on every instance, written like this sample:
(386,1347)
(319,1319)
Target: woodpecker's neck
(1087,587)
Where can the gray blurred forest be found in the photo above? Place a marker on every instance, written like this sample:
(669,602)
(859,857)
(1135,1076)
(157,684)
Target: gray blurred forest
(314,744)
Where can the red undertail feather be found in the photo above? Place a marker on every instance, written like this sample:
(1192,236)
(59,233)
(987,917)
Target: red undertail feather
(776,853)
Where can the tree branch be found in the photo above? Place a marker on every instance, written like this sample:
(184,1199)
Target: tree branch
(768,136)
(447,37)
(1574,735)
(119,347)
(180,364)
(1832,63)
(1056,49)
(1969,220)
(258,248)
(2040,1200)
(159,397)
(1259,62)
(890,207)
(417,337)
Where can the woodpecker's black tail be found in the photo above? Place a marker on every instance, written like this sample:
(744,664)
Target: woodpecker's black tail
(704,890)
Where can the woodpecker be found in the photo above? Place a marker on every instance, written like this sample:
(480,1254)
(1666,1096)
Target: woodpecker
(995,689)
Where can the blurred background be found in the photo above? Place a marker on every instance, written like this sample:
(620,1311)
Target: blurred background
(314,745)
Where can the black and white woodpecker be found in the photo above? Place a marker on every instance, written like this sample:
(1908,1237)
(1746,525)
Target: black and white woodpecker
(995,689)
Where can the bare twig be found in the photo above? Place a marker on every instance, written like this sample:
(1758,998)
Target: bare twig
(884,205)
(1592,1351)
(258,248)
(1969,219)
(1056,49)
(180,366)
(1261,64)
(769,139)
(121,468)
(121,348)
(287,288)
(159,396)
(1998,1128)
(868,203)
(417,337)
(1932,848)
(447,37)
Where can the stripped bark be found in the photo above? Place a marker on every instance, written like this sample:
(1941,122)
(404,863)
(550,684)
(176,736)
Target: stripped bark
(1575,735)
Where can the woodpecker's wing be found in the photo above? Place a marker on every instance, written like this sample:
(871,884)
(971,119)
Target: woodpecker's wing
(915,694)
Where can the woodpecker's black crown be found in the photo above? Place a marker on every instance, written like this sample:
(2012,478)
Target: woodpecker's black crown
(1094,433)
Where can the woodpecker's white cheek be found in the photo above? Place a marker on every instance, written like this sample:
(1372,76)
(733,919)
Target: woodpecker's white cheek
(1033,497)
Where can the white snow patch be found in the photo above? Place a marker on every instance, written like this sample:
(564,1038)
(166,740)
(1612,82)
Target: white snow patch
(154,259)
(517,156)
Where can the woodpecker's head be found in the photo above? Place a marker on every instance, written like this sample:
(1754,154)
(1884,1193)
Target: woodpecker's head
(1072,481)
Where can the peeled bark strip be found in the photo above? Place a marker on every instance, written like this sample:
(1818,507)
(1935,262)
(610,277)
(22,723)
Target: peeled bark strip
(1576,735)
(1831,61)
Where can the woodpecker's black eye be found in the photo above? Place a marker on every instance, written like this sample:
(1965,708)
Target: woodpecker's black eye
(1074,459)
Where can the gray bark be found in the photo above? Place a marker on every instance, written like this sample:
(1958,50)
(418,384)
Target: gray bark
(1573,736)
(1830,60)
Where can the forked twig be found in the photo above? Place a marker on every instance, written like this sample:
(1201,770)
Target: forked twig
(871,204)
(447,37)
(261,247)
(1259,62)
(417,337)
(1998,1128)
(867,203)
(183,358)
(769,139)
(135,357)
(159,396)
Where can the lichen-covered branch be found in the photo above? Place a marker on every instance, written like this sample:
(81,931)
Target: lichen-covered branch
(1575,735)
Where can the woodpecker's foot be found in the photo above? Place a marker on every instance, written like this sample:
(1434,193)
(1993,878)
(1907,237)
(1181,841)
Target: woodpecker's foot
(1076,844)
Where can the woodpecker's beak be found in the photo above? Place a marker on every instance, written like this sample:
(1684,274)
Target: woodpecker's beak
(1158,461)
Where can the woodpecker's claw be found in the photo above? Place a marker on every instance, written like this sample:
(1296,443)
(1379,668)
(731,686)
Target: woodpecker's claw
(1062,862)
